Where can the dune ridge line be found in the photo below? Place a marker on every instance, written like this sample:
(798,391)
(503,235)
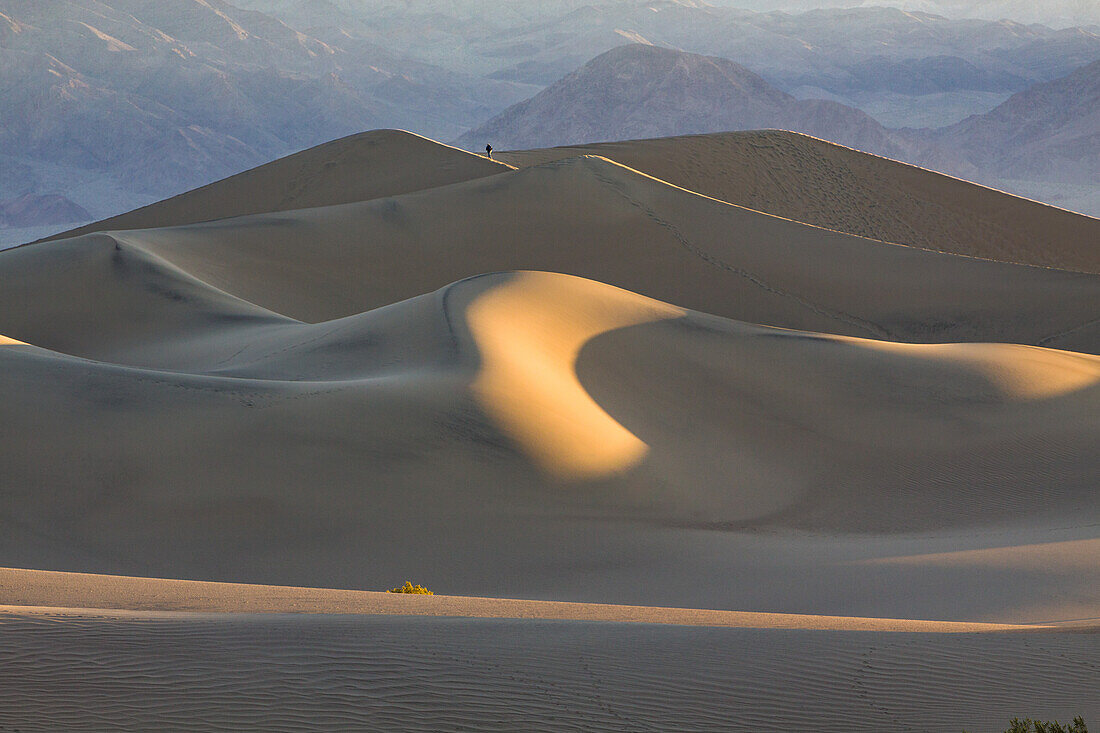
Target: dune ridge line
(38,592)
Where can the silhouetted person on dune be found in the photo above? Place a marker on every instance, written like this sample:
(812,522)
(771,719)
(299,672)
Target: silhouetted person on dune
(489,152)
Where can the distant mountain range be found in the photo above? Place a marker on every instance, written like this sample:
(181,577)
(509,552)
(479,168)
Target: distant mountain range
(30,210)
(203,88)
(113,104)
(1053,13)
(907,69)
(538,42)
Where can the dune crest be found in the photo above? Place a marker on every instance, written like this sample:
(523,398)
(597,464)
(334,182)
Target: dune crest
(1072,556)
(529,333)
(368,165)
(806,179)
(1019,372)
(40,592)
(5,341)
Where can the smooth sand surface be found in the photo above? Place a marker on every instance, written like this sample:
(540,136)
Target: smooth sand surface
(803,178)
(365,166)
(572,382)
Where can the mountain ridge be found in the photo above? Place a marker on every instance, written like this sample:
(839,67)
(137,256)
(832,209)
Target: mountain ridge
(1049,131)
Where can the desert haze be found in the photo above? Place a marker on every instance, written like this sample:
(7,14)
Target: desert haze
(737,431)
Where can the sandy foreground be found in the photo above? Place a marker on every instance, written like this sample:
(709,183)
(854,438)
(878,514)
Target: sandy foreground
(608,383)
(218,656)
(385,673)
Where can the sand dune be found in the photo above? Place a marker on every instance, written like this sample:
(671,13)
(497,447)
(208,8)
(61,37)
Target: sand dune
(571,382)
(529,334)
(595,219)
(366,166)
(300,453)
(810,180)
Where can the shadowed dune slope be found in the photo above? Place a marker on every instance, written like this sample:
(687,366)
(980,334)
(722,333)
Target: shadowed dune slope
(545,436)
(365,166)
(596,219)
(810,180)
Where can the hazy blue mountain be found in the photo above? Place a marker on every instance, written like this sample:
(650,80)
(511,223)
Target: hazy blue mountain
(540,41)
(1053,13)
(1049,133)
(907,69)
(30,210)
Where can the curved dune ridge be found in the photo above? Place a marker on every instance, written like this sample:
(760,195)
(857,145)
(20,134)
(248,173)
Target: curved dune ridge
(529,334)
(806,179)
(788,174)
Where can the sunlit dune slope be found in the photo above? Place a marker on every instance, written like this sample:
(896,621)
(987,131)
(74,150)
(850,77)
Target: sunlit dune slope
(810,180)
(81,596)
(357,168)
(588,217)
(410,440)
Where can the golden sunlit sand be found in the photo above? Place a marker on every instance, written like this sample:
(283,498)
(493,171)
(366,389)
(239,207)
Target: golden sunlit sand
(34,592)
(529,334)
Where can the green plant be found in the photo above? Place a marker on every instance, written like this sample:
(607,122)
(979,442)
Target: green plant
(1027,725)
(421,590)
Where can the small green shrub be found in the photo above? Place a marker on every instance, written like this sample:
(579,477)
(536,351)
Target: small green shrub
(1027,725)
(421,590)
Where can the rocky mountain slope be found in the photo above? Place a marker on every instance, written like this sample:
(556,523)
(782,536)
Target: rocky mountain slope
(1048,132)
(30,210)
